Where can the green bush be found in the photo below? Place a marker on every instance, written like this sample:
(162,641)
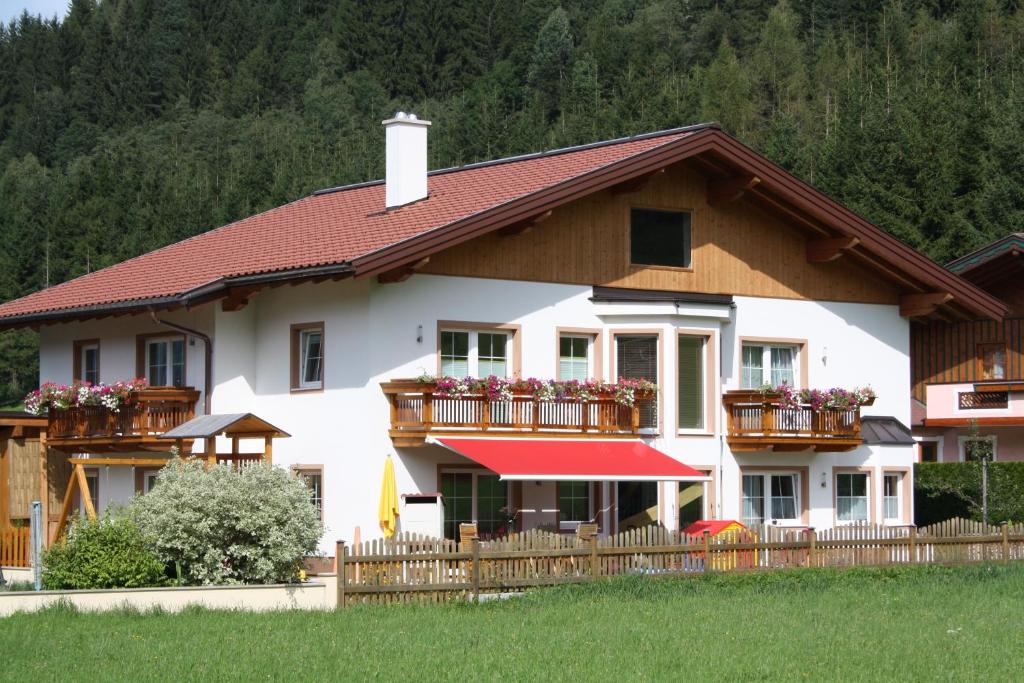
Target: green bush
(102,553)
(219,526)
(939,486)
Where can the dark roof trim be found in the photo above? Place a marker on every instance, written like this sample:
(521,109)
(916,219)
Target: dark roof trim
(626,295)
(1011,242)
(884,430)
(535,155)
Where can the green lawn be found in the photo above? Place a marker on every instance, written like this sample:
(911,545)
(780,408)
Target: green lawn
(909,624)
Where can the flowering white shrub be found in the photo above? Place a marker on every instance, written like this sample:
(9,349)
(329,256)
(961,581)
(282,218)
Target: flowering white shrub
(224,526)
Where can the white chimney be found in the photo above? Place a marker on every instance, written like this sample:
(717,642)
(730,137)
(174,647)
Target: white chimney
(406,163)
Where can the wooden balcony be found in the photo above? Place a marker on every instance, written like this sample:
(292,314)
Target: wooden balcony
(757,422)
(418,411)
(134,426)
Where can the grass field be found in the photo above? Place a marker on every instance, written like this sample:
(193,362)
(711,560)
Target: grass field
(900,624)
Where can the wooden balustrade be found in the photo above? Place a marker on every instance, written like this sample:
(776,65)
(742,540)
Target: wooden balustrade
(150,412)
(417,410)
(758,422)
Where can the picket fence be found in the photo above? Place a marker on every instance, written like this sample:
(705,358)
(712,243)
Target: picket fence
(14,547)
(412,568)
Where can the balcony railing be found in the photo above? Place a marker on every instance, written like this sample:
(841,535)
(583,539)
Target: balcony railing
(758,422)
(150,412)
(417,410)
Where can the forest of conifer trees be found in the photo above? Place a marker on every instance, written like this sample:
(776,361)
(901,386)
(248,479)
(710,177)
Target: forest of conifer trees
(131,124)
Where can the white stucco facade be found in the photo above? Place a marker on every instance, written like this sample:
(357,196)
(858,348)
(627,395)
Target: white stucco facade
(373,333)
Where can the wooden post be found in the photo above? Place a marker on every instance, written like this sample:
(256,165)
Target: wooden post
(65,509)
(234,451)
(268,450)
(428,411)
(83,485)
(211,451)
(913,545)
(475,576)
(339,561)
(5,504)
(812,550)
(180,445)
(595,571)
(707,551)
(1006,542)
(44,488)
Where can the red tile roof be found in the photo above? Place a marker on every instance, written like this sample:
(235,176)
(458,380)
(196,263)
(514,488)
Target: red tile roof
(328,227)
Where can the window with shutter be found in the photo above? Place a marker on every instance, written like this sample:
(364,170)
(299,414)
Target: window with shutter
(691,382)
(637,358)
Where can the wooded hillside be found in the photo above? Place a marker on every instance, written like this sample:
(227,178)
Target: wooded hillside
(134,123)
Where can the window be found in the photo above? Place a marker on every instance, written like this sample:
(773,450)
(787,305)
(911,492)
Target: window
(976,448)
(928,451)
(852,496)
(769,364)
(475,497)
(659,238)
(637,358)
(891,496)
(637,504)
(87,361)
(691,382)
(574,357)
(307,357)
(991,361)
(573,504)
(165,361)
(467,353)
(692,502)
(313,478)
(770,498)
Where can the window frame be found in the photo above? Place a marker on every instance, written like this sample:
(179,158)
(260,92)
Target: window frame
(79,347)
(801,490)
(594,350)
(709,380)
(475,473)
(512,345)
(980,350)
(766,362)
(898,496)
(296,331)
(961,445)
(588,358)
(664,209)
(142,343)
(301,470)
(868,490)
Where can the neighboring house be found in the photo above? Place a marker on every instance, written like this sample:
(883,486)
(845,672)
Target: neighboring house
(682,257)
(968,375)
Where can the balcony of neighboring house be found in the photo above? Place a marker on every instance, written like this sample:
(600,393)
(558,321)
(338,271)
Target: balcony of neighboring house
(766,421)
(986,403)
(133,422)
(420,409)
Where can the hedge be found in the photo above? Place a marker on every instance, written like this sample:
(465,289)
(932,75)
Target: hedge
(953,489)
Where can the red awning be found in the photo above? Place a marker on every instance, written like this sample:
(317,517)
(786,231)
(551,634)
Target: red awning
(571,460)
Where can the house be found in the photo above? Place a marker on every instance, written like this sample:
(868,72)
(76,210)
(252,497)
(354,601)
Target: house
(680,257)
(968,375)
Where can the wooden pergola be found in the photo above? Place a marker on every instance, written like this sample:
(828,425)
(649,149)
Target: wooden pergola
(235,426)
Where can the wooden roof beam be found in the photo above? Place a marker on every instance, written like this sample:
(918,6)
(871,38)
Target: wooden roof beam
(921,304)
(238,298)
(523,227)
(636,184)
(829,248)
(729,190)
(402,273)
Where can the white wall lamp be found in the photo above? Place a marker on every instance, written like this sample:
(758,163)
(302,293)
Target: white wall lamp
(419,334)
(824,480)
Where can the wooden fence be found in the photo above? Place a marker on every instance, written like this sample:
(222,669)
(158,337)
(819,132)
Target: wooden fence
(14,547)
(414,568)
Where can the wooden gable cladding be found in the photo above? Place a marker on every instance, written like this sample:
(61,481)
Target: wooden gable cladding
(737,249)
(942,352)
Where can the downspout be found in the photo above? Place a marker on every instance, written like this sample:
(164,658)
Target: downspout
(207,366)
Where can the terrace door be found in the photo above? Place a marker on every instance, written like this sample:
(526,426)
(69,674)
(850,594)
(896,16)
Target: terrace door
(637,503)
(636,357)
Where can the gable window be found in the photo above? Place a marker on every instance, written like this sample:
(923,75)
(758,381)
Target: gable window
(891,496)
(308,356)
(471,353)
(573,504)
(87,361)
(574,357)
(165,361)
(992,361)
(636,357)
(313,478)
(771,498)
(977,448)
(690,367)
(852,497)
(773,364)
(659,238)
